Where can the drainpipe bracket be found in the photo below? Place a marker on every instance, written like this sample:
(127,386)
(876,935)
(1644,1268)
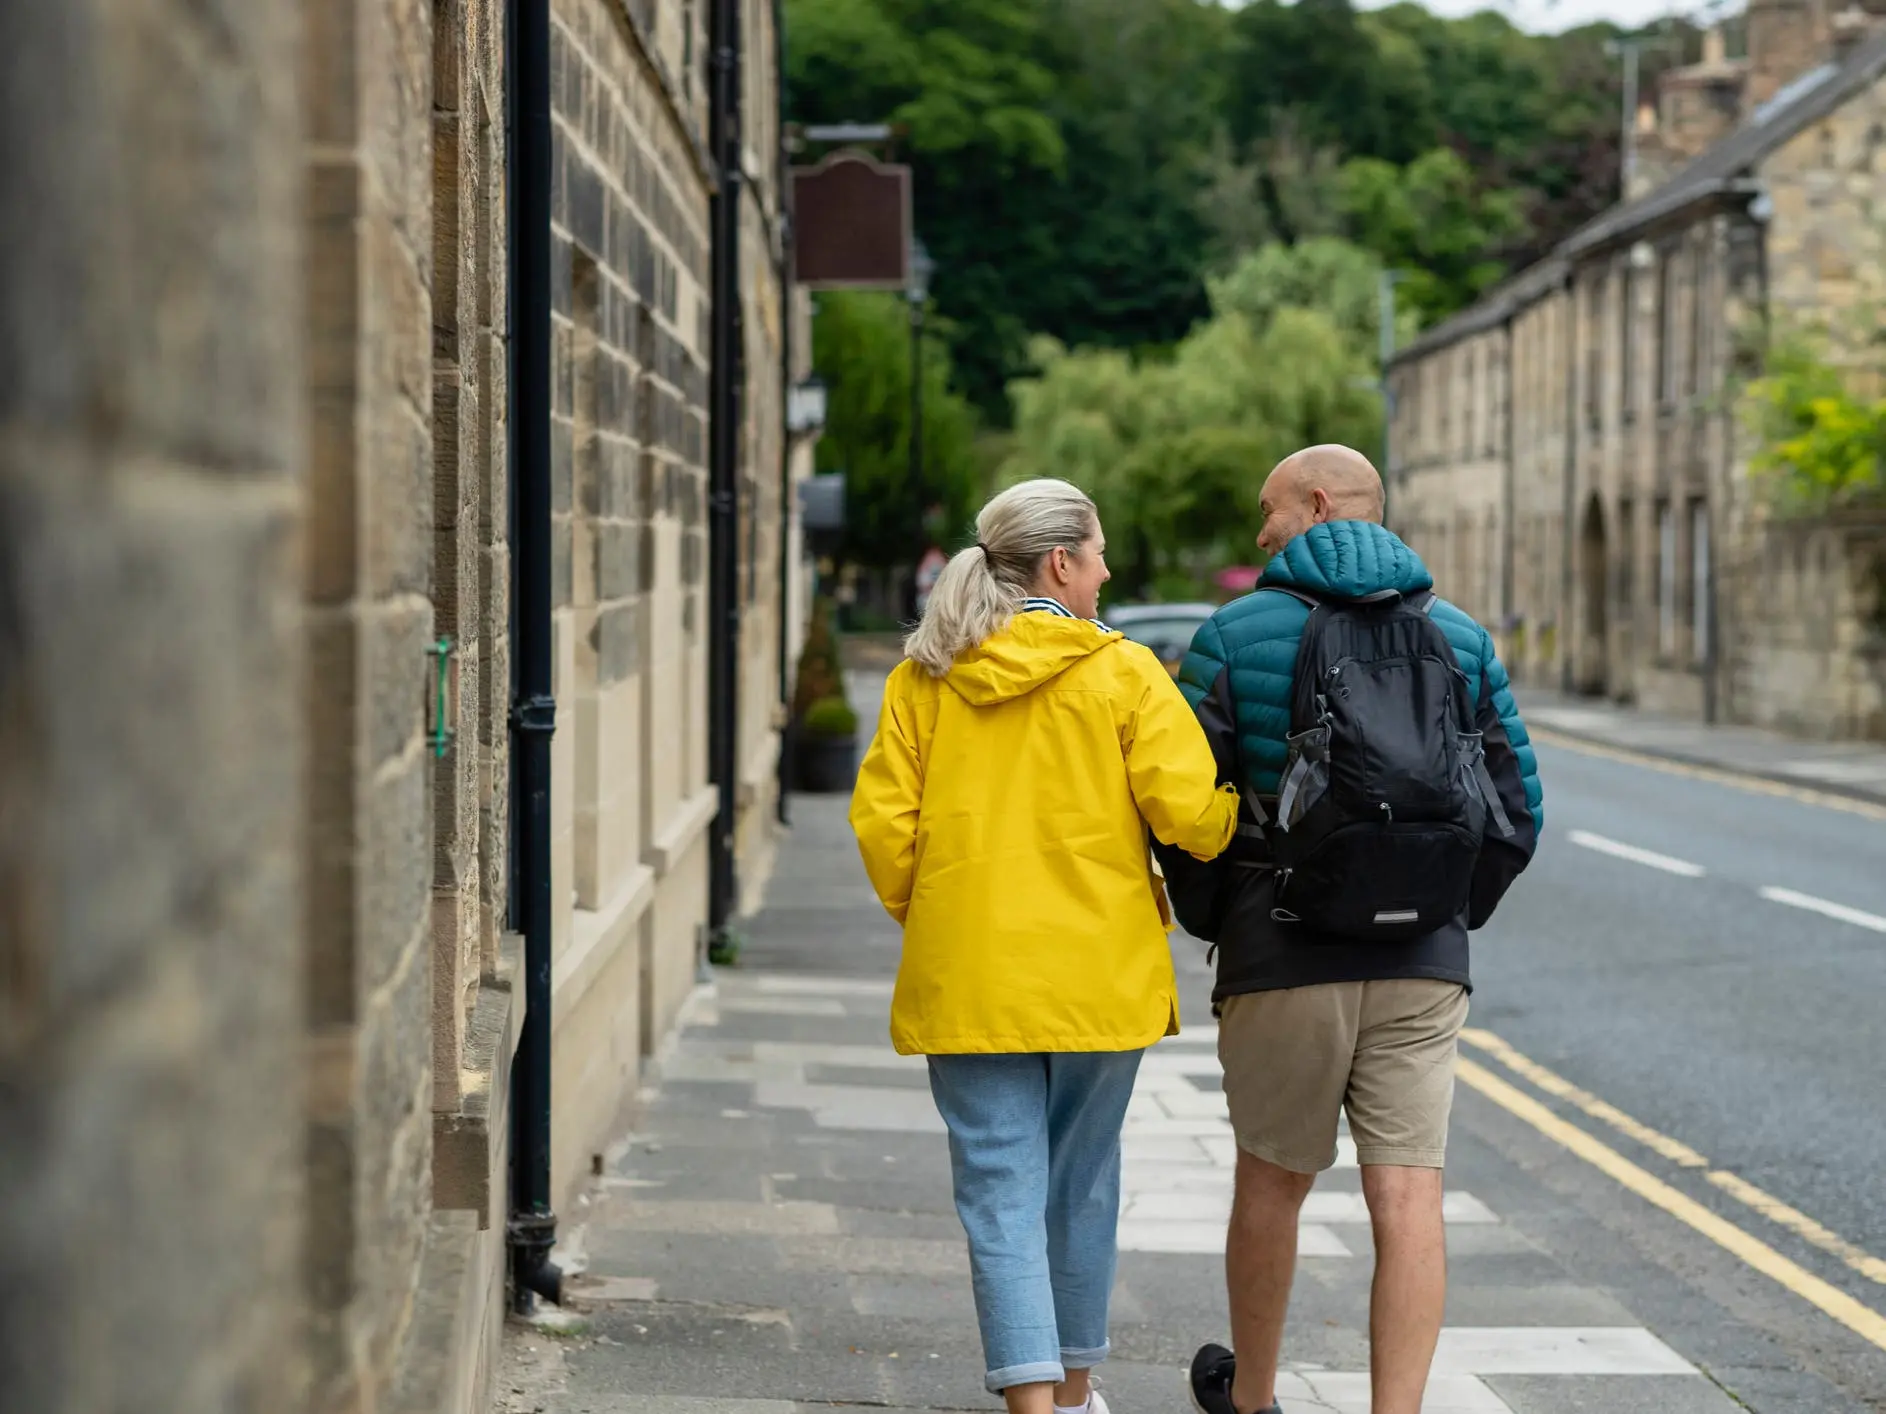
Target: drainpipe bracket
(535,714)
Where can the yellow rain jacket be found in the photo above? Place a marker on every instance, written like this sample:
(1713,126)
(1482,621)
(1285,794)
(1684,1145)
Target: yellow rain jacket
(1002,813)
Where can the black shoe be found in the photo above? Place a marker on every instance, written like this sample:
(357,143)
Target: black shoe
(1213,1369)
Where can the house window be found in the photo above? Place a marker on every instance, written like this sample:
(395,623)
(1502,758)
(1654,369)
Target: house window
(1666,322)
(1594,356)
(1627,558)
(1627,346)
(1494,600)
(1699,293)
(1666,579)
(1699,580)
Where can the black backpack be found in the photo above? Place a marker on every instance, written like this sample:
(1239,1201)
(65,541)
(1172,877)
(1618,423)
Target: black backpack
(1385,795)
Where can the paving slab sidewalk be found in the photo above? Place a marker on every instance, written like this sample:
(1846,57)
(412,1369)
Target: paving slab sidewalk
(1854,769)
(776,1233)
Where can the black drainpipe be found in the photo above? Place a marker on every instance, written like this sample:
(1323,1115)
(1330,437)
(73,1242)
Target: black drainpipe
(533,1226)
(723,551)
(784,168)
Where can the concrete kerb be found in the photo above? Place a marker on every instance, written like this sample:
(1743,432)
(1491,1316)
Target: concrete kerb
(1707,761)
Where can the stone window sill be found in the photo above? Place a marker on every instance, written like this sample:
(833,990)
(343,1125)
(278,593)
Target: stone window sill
(469,1143)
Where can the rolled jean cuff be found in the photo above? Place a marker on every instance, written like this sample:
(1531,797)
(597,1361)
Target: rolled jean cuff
(1040,1372)
(1086,1359)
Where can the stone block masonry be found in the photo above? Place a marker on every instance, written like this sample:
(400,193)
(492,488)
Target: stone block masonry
(259,979)
(152,988)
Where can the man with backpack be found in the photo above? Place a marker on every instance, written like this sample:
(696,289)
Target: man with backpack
(1390,799)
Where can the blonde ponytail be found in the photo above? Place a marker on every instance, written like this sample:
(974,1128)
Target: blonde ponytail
(982,587)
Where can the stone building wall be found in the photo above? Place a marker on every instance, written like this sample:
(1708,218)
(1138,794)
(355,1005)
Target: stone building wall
(153,979)
(1813,629)
(258,1000)
(1542,435)
(370,618)
(630,791)
(1634,522)
(1450,497)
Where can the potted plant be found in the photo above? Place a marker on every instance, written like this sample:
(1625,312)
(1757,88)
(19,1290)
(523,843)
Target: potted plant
(824,726)
(828,746)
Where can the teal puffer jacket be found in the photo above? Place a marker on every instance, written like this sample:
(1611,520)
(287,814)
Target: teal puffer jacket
(1238,678)
(1254,641)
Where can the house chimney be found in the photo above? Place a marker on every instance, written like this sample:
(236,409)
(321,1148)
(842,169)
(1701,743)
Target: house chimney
(1849,27)
(1714,52)
(1786,38)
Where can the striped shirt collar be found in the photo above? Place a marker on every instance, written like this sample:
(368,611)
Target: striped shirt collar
(1046,604)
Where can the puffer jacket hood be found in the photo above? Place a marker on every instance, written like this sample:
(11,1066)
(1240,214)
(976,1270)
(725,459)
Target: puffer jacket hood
(1031,649)
(1347,559)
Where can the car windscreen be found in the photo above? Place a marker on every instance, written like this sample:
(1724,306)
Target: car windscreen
(1167,637)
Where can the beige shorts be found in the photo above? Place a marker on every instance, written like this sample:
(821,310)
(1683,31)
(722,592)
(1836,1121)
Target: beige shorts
(1383,1051)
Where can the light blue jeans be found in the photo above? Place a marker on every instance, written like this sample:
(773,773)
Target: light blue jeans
(1035,1160)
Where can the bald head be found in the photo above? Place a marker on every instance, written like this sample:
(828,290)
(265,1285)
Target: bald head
(1321,483)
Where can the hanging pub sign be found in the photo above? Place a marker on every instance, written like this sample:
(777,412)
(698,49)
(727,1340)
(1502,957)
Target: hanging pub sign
(851,223)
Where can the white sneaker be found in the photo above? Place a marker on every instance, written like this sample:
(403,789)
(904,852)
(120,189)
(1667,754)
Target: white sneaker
(1094,1405)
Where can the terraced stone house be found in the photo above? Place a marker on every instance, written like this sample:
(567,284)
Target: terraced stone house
(1567,453)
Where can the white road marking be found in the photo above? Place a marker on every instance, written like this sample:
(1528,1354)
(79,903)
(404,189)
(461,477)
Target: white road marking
(1839,911)
(1555,1350)
(1647,857)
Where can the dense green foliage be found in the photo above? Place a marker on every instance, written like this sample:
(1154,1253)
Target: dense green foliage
(862,343)
(1173,449)
(1108,175)
(1818,417)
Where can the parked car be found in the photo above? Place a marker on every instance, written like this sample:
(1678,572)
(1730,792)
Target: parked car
(1167,629)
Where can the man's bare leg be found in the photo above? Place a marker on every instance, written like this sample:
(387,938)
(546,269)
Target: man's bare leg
(1260,1262)
(1410,1291)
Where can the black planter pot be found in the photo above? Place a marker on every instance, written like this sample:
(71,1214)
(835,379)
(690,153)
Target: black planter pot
(827,764)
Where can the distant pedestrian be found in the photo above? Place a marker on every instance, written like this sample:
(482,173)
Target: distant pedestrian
(1023,754)
(1391,800)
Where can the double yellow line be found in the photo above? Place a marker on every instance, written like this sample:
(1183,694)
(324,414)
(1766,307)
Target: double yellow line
(1861,1319)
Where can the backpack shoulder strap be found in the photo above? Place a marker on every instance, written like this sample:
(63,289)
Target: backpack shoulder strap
(1302,596)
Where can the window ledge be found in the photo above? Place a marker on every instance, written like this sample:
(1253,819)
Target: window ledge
(469,1143)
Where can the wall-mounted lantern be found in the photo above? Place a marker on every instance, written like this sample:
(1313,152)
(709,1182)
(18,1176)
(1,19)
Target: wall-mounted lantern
(805,406)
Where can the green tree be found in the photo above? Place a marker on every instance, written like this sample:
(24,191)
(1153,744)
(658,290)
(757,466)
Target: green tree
(1433,220)
(861,343)
(1175,449)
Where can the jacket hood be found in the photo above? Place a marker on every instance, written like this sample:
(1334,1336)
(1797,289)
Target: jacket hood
(1348,559)
(1032,648)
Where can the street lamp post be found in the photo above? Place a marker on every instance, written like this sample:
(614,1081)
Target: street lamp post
(1386,345)
(917,292)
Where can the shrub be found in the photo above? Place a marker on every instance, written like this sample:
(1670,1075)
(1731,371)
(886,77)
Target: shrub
(830,717)
(1819,425)
(821,671)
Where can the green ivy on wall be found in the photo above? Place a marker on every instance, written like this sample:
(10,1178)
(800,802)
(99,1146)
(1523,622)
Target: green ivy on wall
(1819,425)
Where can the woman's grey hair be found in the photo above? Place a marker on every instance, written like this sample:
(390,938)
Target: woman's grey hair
(982,587)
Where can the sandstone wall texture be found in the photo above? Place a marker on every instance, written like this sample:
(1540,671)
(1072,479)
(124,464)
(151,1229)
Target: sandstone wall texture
(258,993)
(152,469)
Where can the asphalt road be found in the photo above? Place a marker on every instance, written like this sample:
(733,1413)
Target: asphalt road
(1711,960)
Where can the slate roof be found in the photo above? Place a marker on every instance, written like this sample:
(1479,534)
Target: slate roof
(1721,170)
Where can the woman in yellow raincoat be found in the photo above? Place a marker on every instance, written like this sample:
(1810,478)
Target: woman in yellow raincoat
(1023,754)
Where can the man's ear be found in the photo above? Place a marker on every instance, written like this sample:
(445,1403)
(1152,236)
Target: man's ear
(1320,503)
